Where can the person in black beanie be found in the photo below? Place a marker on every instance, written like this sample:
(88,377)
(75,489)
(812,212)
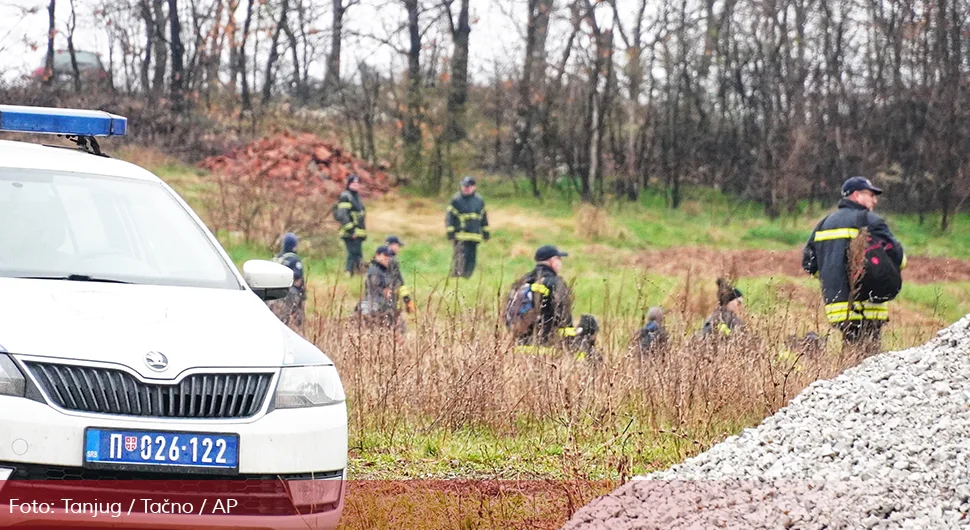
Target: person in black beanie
(726,318)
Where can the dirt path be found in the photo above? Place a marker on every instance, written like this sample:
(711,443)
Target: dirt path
(747,262)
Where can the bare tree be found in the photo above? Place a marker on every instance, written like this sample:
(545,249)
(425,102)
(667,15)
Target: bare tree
(51,33)
(531,84)
(411,133)
(75,71)
(274,52)
(178,50)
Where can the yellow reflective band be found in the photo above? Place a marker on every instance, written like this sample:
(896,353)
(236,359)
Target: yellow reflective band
(567,332)
(468,236)
(405,291)
(903,264)
(360,232)
(842,306)
(536,350)
(541,289)
(346,205)
(723,328)
(346,227)
(453,210)
(451,229)
(839,311)
(472,215)
(836,233)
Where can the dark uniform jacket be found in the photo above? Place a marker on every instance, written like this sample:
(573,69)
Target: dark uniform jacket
(293,261)
(723,322)
(651,336)
(377,288)
(825,256)
(555,312)
(398,289)
(466,219)
(350,215)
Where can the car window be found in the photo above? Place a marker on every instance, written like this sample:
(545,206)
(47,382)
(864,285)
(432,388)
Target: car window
(85,60)
(58,224)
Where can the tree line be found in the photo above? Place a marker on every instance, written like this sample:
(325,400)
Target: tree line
(776,101)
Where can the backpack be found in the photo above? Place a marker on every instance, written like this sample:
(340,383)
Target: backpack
(877,278)
(521,308)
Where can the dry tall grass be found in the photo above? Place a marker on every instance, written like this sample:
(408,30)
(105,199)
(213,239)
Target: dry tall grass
(458,368)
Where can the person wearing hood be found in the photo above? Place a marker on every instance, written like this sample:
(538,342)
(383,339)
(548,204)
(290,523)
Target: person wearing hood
(725,320)
(350,214)
(466,225)
(291,309)
(652,337)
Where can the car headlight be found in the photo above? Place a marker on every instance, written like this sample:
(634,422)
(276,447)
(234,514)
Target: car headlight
(11,380)
(309,386)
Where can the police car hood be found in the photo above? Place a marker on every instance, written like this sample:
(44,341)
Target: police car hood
(122,323)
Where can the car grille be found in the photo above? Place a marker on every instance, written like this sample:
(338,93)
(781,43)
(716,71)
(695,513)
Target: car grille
(107,391)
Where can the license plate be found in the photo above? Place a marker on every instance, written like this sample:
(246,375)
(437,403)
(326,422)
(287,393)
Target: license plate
(176,451)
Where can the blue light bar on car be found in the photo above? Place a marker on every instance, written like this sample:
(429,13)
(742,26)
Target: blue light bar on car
(47,120)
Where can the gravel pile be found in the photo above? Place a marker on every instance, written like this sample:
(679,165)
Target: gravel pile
(886,444)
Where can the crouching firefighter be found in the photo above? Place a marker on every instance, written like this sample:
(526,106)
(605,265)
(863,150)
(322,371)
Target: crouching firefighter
(539,311)
(400,289)
(858,261)
(291,309)
(377,309)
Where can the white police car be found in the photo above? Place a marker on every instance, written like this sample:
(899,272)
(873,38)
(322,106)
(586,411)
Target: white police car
(132,348)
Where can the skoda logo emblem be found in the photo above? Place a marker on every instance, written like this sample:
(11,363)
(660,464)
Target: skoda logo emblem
(156,361)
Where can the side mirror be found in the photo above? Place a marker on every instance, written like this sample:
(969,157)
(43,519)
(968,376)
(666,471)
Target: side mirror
(268,279)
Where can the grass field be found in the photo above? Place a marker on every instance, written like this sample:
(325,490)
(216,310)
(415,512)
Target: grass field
(454,402)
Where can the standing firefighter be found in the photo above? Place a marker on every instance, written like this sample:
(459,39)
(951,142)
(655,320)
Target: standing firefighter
(377,309)
(855,242)
(467,226)
(291,309)
(400,289)
(539,309)
(350,214)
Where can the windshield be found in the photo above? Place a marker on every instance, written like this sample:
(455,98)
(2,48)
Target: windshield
(62,224)
(62,60)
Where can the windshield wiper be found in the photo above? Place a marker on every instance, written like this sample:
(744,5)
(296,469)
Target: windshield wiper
(74,278)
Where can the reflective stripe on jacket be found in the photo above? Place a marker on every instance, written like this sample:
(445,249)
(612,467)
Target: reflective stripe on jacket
(826,256)
(466,219)
(350,214)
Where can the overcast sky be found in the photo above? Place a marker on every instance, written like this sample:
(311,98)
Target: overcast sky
(23,44)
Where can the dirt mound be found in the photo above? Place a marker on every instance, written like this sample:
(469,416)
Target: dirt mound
(301,163)
(751,262)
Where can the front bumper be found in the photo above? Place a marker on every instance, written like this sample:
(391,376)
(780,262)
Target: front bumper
(297,447)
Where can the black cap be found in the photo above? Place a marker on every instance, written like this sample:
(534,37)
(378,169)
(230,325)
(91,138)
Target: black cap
(548,252)
(392,240)
(354,177)
(384,249)
(855,184)
(468,181)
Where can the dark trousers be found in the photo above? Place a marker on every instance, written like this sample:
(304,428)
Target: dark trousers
(862,337)
(463,263)
(354,254)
